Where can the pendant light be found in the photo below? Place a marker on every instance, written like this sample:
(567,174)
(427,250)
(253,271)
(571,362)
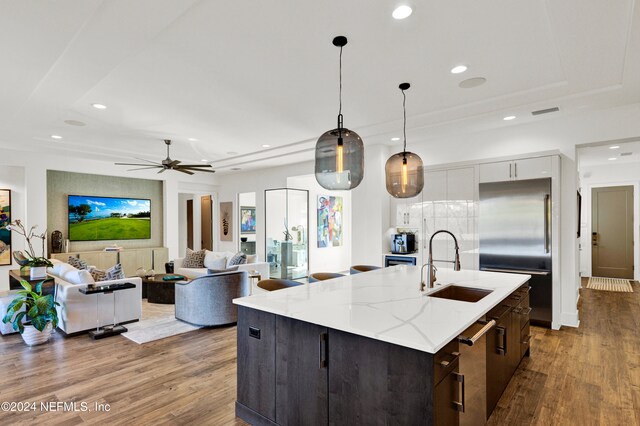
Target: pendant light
(404,171)
(339,152)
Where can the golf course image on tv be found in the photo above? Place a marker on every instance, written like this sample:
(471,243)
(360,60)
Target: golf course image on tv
(108,218)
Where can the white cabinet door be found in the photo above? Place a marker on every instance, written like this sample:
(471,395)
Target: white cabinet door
(414,208)
(435,186)
(461,184)
(496,172)
(532,168)
(400,211)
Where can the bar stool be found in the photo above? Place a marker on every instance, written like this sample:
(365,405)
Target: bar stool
(276,284)
(321,276)
(356,269)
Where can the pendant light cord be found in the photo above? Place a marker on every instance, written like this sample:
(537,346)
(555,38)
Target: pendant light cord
(404,125)
(340,94)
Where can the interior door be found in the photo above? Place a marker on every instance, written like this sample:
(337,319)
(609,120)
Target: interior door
(612,232)
(206,234)
(190,224)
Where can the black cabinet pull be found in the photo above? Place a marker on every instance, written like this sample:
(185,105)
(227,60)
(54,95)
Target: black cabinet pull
(323,349)
(502,348)
(459,405)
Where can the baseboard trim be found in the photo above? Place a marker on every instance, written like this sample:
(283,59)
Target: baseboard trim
(571,319)
(251,417)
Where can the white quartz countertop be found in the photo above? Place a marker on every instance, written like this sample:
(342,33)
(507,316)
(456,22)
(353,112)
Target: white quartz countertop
(387,304)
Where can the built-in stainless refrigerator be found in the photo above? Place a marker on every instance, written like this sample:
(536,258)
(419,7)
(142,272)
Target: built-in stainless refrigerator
(515,236)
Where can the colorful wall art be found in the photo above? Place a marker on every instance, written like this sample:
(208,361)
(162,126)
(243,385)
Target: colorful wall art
(329,221)
(247,220)
(5,234)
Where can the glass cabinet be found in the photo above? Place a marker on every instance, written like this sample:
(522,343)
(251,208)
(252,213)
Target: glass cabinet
(287,232)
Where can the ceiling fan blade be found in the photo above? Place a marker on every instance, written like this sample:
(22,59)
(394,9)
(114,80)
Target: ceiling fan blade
(133,164)
(195,170)
(195,165)
(148,161)
(162,170)
(174,163)
(183,171)
(143,168)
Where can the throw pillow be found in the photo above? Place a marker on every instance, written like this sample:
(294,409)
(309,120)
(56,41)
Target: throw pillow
(252,258)
(115,272)
(219,271)
(194,259)
(238,259)
(214,260)
(77,263)
(98,274)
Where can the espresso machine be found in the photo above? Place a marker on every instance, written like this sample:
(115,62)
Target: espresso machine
(403,243)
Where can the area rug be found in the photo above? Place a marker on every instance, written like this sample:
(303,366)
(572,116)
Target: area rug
(158,322)
(610,284)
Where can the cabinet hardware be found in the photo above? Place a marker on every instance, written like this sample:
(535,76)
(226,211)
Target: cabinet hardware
(515,170)
(547,213)
(510,170)
(424,240)
(323,350)
(526,339)
(515,271)
(471,340)
(446,363)
(459,405)
(526,311)
(502,348)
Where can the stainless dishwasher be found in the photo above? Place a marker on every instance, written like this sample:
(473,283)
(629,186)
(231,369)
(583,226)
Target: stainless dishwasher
(473,367)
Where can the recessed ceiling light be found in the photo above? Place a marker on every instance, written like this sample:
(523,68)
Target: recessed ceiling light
(56,137)
(264,145)
(232,153)
(459,69)
(614,147)
(204,160)
(509,117)
(395,139)
(472,82)
(402,12)
(99,106)
(75,123)
(612,158)
(192,140)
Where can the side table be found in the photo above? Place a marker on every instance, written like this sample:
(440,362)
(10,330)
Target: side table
(109,330)
(15,275)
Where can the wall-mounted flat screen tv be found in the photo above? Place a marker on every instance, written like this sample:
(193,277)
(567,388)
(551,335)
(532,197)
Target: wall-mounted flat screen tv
(108,218)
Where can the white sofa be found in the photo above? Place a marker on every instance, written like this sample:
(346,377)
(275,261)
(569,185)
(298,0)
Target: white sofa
(191,273)
(81,312)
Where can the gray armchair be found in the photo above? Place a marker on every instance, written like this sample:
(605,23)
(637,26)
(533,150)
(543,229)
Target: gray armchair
(207,300)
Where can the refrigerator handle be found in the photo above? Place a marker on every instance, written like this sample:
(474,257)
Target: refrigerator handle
(546,223)
(510,164)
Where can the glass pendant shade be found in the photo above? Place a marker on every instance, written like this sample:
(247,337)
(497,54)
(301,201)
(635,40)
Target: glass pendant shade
(339,159)
(404,175)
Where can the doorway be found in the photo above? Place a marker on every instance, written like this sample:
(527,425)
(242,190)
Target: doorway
(247,221)
(612,232)
(206,224)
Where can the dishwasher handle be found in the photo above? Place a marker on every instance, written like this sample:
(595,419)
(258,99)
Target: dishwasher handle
(473,339)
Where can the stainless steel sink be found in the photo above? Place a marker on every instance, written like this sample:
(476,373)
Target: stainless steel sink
(462,294)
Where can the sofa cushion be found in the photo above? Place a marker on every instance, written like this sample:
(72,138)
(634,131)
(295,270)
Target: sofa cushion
(237,259)
(115,272)
(78,276)
(219,271)
(213,260)
(59,269)
(77,263)
(194,259)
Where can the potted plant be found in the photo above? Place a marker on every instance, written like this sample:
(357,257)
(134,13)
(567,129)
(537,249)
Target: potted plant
(32,314)
(37,264)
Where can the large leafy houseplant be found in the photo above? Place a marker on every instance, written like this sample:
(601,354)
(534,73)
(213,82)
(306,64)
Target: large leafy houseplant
(31,259)
(38,311)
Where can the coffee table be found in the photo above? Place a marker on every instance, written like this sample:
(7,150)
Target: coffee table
(158,290)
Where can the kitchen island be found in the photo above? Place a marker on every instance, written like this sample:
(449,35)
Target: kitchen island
(366,349)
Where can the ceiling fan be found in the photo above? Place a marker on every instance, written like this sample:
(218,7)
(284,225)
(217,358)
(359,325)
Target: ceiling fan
(169,164)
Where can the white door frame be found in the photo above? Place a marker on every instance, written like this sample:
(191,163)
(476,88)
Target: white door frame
(585,239)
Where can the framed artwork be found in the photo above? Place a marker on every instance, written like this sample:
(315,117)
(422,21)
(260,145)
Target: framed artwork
(226,221)
(5,234)
(329,221)
(247,220)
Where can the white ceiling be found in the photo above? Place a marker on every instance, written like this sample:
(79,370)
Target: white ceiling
(627,152)
(237,75)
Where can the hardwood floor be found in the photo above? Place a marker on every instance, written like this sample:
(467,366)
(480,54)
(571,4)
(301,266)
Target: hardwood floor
(589,375)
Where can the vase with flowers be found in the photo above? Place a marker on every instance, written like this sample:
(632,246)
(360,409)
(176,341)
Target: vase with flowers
(37,264)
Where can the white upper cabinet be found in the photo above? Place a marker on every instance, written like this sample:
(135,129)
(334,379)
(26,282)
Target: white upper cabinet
(407,211)
(527,168)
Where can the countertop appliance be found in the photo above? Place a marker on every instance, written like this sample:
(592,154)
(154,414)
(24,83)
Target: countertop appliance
(515,237)
(403,243)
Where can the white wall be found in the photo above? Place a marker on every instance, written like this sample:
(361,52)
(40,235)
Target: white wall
(326,259)
(12,178)
(608,175)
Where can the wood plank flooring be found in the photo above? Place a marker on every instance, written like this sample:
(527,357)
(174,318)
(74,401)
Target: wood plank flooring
(584,376)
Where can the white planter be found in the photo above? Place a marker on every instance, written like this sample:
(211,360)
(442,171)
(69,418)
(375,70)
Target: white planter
(38,272)
(33,337)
